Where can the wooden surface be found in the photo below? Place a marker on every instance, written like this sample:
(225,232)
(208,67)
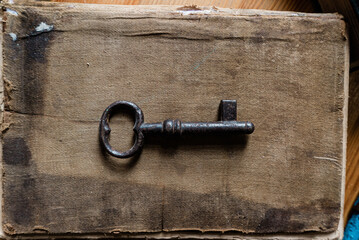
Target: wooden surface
(287,5)
(284,178)
(352,173)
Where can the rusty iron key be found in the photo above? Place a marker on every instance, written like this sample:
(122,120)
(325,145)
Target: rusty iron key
(228,124)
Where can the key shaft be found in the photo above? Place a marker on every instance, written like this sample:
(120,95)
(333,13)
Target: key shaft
(178,128)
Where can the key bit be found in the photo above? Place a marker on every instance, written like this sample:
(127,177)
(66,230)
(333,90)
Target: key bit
(228,124)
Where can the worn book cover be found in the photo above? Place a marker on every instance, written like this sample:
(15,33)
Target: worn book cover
(63,64)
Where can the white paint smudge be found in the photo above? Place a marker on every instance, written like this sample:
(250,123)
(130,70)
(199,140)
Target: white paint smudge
(13,36)
(333,160)
(190,12)
(43,27)
(12,12)
(11,1)
(327,158)
(297,14)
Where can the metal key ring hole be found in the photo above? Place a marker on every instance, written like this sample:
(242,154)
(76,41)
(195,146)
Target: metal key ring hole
(105,129)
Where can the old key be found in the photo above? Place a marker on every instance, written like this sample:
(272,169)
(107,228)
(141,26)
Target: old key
(226,125)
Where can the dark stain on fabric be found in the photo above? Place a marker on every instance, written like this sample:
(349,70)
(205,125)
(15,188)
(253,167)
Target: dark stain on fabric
(16,151)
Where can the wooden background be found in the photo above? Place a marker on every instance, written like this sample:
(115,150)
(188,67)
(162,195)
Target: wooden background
(341,6)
